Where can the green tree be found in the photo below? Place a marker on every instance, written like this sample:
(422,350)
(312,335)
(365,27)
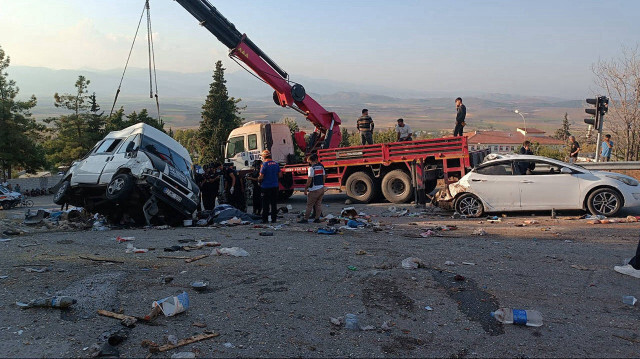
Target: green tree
(563,132)
(188,138)
(20,134)
(346,137)
(293,128)
(220,115)
(118,120)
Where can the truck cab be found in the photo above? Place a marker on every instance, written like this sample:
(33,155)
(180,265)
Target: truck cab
(247,142)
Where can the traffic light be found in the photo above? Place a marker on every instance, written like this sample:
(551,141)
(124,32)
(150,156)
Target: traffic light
(603,105)
(595,112)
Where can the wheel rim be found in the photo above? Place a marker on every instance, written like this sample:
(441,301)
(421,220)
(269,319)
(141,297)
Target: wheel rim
(469,206)
(115,185)
(605,202)
(397,186)
(359,188)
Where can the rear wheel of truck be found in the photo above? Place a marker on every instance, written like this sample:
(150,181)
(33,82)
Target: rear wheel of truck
(396,186)
(60,197)
(361,187)
(120,187)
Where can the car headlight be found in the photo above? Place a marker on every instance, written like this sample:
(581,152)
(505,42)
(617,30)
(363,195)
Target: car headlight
(151,172)
(625,180)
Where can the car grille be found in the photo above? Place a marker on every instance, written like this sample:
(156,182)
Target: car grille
(176,185)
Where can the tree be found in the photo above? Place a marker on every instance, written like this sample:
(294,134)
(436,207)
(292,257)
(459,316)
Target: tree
(20,134)
(346,137)
(188,138)
(298,154)
(118,120)
(220,115)
(563,132)
(620,79)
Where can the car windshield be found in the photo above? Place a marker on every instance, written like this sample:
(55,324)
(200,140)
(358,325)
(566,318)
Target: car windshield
(171,157)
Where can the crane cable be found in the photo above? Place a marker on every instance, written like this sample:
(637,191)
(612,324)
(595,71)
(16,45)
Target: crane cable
(152,60)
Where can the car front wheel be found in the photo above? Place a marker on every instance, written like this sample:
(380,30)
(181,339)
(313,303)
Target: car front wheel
(60,197)
(604,201)
(469,205)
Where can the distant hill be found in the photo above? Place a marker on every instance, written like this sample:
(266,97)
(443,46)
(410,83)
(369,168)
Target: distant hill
(182,95)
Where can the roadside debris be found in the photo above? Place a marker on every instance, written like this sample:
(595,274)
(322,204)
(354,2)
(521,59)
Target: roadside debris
(124,239)
(199,286)
(125,320)
(629,299)
(37,270)
(183,355)
(132,249)
(329,231)
(449,263)
(171,306)
(479,232)
(349,212)
(181,342)
(337,321)
(233,251)
(51,302)
(412,263)
(100,259)
(530,318)
(196,258)
(428,308)
(351,322)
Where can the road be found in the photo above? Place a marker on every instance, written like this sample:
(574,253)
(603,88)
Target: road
(279,300)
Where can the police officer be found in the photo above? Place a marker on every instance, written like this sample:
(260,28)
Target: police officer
(256,191)
(314,190)
(269,176)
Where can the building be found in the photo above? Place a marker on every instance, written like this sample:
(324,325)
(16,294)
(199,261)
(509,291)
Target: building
(510,141)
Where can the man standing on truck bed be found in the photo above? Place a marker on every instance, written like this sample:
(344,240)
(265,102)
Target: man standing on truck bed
(461,114)
(269,175)
(365,127)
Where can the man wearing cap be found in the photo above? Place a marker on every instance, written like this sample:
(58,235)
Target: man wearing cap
(403,131)
(365,127)
(269,176)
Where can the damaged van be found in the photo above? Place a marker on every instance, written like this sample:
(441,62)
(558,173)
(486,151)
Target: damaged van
(136,174)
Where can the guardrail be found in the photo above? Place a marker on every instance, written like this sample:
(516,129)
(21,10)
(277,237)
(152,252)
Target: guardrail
(624,167)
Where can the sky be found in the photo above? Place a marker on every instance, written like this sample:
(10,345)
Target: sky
(535,48)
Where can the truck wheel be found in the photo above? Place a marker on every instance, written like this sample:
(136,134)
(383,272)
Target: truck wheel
(469,205)
(396,186)
(120,187)
(604,201)
(286,194)
(60,197)
(361,187)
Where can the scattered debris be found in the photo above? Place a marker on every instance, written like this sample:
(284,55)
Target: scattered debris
(349,212)
(132,249)
(468,263)
(266,234)
(51,302)
(329,231)
(126,320)
(479,232)
(337,321)
(412,263)
(171,339)
(459,278)
(386,325)
(196,258)
(183,355)
(199,325)
(37,270)
(367,328)
(428,308)
(233,251)
(199,286)
(449,263)
(182,342)
(351,322)
(352,268)
(171,306)
(361,252)
(428,233)
(124,239)
(228,345)
(100,259)
(629,299)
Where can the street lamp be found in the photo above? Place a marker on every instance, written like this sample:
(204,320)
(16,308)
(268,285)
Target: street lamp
(523,120)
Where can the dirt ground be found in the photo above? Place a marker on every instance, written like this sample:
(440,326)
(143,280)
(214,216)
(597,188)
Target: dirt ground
(278,301)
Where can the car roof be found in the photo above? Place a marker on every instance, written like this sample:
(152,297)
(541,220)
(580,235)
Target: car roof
(154,133)
(518,157)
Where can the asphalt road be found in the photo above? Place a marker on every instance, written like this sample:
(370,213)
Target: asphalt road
(278,301)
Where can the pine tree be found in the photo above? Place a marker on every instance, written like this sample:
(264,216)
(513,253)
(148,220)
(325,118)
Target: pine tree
(220,115)
(563,132)
(20,134)
(345,141)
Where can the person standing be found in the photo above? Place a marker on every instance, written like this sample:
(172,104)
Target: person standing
(365,127)
(574,149)
(525,167)
(256,191)
(633,267)
(607,146)
(269,176)
(17,189)
(314,189)
(404,131)
(234,188)
(210,186)
(461,114)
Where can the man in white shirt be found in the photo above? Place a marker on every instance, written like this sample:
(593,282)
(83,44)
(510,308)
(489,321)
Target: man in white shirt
(314,190)
(403,131)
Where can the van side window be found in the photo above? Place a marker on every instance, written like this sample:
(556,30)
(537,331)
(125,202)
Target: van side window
(108,146)
(133,138)
(253,142)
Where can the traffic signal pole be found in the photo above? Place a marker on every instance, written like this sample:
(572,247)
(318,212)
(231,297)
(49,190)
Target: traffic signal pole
(601,104)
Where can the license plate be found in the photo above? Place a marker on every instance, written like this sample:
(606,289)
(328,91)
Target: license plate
(172,194)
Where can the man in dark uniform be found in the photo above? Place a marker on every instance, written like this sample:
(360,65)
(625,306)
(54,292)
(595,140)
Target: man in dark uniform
(461,114)
(234,188)
(256,191)
(209,186)
(365,127)
(269,181)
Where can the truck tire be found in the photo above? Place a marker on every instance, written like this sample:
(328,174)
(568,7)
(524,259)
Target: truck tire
(361,187)
(604,201)
(120,187)
(60,197)
(396,187)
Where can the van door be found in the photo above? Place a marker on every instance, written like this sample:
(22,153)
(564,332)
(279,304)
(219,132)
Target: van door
(89,169)
(119,158)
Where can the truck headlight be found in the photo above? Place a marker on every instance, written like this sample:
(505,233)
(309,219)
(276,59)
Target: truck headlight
(625,180)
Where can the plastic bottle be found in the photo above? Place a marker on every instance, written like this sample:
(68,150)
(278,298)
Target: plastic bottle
(531,318)
(351,322)
(53,302)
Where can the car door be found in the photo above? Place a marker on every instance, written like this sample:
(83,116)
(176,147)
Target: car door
(90,168)
(118,158)
(545,187)
(495,185)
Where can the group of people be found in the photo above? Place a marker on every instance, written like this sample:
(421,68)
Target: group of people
(605,150)
(219,178)
(365,125)
(34,192)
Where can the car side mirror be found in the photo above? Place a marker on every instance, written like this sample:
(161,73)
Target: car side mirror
(130,147)
(566,170)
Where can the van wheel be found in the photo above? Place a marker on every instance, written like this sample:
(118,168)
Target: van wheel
(604,201)
(361,187)
(396,186)
(120,187)
(469,205)
(60,197)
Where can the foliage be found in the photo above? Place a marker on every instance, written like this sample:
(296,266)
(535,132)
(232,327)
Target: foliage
(346,137)
(298,154)
(549,151)
(20,134)
(188,138)
(563,132)
(220,115)
(118,121)
(620,79)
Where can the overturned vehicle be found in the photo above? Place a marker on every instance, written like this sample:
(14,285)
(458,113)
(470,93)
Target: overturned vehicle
(137,174)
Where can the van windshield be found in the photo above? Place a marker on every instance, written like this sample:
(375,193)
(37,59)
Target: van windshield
(171,157)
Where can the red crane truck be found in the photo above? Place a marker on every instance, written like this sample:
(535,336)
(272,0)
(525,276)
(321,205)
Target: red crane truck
(400,171)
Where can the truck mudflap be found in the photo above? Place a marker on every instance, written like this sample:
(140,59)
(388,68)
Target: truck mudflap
(445,198)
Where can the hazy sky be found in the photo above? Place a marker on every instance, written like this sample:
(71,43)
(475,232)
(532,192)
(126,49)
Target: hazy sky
(522,47)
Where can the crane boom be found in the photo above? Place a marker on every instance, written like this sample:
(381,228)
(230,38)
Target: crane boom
(327,133)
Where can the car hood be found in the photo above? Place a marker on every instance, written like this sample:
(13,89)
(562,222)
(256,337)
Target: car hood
(605,173)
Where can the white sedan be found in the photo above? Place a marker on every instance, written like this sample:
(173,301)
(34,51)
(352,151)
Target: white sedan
(531,183)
